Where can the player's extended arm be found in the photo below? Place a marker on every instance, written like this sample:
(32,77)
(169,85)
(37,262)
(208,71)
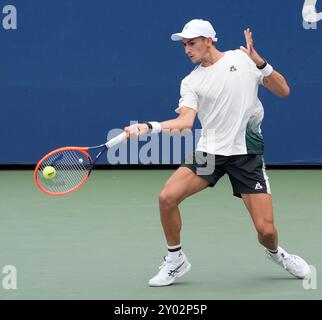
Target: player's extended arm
(275,82)
(184,121)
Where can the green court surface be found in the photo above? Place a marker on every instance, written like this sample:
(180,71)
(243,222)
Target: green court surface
(105,241)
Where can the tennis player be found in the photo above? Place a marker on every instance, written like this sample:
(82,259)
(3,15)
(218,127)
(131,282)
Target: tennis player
(223,91)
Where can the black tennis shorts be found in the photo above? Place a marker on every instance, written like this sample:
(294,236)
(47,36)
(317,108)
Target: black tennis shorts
(246,172)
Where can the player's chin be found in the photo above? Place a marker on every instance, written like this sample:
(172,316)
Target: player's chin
(194,60)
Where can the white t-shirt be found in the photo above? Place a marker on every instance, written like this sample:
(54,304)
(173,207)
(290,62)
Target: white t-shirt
(225,97)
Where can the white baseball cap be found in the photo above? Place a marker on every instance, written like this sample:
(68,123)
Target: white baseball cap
(196,28)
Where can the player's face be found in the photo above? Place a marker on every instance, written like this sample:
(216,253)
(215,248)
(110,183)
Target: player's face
(196,49)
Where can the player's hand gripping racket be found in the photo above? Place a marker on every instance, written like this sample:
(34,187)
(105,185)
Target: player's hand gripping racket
(64,170)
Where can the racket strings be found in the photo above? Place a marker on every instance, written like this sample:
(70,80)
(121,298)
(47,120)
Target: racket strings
(72,168)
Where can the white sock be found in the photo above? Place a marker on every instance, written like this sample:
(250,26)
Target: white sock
(273,251)
(174,252)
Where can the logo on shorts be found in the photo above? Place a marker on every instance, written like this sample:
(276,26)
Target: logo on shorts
(258,186)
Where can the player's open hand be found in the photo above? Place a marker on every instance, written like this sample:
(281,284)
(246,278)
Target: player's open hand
(250,50)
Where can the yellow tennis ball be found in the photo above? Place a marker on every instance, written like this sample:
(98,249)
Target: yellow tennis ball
(49,172)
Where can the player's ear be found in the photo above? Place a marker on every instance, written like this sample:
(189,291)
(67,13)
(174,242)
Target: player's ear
(209,42)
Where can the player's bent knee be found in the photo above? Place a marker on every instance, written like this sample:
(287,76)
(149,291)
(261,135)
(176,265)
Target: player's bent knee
(266,230)
(167,199)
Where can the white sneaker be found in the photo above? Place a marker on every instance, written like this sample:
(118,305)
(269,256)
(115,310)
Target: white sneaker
(170,270)
(295,265)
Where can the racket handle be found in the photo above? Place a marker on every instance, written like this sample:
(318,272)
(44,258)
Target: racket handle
(112,142)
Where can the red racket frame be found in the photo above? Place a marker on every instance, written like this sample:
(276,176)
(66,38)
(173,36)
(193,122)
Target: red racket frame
(80,149)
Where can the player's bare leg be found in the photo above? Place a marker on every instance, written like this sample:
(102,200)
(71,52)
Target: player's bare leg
(261,210)
(182,184)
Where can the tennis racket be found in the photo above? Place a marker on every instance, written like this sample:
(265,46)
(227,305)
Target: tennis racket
(70,167)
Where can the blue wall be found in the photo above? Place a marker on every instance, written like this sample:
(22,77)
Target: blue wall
(74,69)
